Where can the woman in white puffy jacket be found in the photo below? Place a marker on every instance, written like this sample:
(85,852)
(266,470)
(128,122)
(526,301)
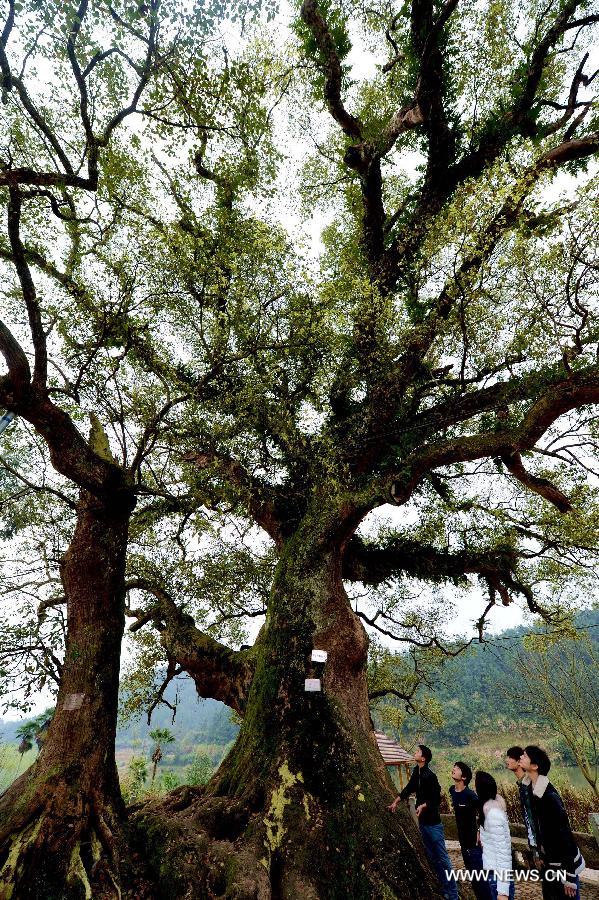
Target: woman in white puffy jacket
(494,830)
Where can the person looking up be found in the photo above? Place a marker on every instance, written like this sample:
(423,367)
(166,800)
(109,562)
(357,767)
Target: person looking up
(561,860)
(512,762)
(495,837)
(425,784)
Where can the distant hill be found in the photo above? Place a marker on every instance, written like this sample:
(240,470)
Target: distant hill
(198,721)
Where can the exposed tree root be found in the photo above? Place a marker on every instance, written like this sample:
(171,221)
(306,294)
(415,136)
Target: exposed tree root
(198,845)
(57,842)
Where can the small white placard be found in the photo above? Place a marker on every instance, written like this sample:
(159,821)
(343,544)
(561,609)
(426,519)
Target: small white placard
(73,701)
(312,684)
(319,655)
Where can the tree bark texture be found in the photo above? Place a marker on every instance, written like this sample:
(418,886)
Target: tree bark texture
(60,821)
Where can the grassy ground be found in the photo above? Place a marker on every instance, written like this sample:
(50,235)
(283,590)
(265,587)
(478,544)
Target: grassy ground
(171,757)
(12,764)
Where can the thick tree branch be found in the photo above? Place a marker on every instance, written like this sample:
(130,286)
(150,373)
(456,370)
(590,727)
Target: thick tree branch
(331,69)
(427,107)
(374,565)
(218,671)
(70,453)
(4,64)
(38,336)
(543,487)
(259,498)
(21,175)
(581,389)
(15,384)
(362,156)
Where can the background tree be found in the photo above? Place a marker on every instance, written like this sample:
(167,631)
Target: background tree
(160,736)
(560,683)
(138,772)
(200,770)
(33,731)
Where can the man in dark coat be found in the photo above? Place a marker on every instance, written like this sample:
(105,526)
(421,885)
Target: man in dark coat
(425,784)
(561,860)
(512,762)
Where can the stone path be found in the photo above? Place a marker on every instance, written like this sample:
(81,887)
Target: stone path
(530,890)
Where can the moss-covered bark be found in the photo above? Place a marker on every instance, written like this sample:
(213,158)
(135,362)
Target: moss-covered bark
(298,808)
(60,822)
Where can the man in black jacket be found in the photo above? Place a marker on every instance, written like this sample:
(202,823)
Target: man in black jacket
(512,762)
(561,859)
(425,784)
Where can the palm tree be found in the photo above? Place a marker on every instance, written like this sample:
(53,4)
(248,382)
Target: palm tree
(160,736)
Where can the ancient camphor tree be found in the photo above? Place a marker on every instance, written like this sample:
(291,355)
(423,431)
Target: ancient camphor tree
(443,357)
(74,340)
(440,353)
(68,803)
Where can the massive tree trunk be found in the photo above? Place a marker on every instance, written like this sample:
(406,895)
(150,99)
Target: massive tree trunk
(60,821)
(298,808)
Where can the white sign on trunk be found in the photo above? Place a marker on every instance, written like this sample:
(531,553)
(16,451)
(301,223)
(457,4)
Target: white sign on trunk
(319,656)
(312,684)
(73,701)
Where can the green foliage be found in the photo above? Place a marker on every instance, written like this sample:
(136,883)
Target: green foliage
(200,770)
(482,689)
(168,781)
(33,731)
(132,786)
(162,736)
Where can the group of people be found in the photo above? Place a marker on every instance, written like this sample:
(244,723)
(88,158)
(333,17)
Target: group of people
(484,831)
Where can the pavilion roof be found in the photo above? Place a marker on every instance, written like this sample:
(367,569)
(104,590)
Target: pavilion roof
(393,754)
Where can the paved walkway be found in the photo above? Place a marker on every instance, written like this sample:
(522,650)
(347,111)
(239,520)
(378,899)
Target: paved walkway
(589,889)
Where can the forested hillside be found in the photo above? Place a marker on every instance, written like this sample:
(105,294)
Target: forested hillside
(480,689)
(197,721)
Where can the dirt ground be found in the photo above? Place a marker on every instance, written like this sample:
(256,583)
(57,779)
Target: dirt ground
(527,890)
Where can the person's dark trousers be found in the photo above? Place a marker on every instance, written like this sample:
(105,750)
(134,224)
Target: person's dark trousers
(473,862)
(434,844)
(554,890)
(493,889)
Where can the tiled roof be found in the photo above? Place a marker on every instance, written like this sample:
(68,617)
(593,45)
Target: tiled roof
(391,752)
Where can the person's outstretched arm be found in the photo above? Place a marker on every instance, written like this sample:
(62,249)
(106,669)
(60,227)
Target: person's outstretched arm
(410,788)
